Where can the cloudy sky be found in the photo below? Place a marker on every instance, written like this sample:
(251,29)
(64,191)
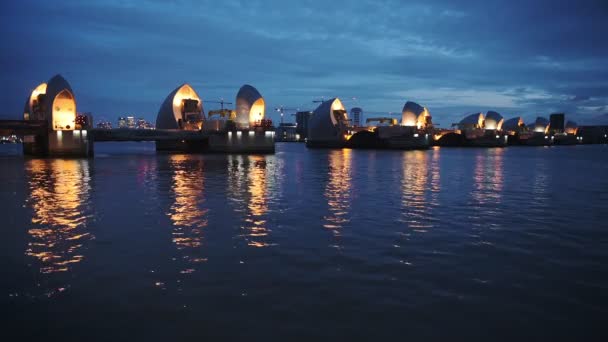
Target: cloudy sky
(121,57)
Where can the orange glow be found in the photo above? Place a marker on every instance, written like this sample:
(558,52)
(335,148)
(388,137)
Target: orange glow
(337,190)
(414,183)
(423,118)
(257,204)
(185,213)
(408,118)
(491,124)
(480,120)
(186,92)
(338,112)
(257,111)
(58,196)
(64,111)
(34,113)
(247,190)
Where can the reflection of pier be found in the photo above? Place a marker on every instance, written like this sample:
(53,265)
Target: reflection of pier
(337,191)
(247,187)
(58,196)
(488,178)
(420,187)
(186,214)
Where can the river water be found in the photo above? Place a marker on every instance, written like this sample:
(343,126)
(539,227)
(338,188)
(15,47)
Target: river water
(447,243)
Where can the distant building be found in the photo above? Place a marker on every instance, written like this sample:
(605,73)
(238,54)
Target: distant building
(122,122)
(286,132)
(131,124)
(556,123)
(357,114)
(104,125)
(140,124)
(302,123)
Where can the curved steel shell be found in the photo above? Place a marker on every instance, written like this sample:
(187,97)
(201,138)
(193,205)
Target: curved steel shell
(250,106)
(493,121)
(171,111)
(323,125)
(54,102)
(414,114)
(473,119)
(540,125)
(513,124)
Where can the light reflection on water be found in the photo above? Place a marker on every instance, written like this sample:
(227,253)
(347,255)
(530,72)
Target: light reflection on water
(488,177)
(158,218)
(338,190)
(187,213)
(420,188)
(248,183)
(59,195)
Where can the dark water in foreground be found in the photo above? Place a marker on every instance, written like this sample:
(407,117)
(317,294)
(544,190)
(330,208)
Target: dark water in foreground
(438,244)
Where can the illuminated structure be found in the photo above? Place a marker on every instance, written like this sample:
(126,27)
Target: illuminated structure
(493,121)
(472,122)
(247,130)
(540,125)
(514,125)
(182,109)
(250,107)
(302,118)
(478,130)
(563,132)
(571,127)
(328,126)
(54,102)
(415,115)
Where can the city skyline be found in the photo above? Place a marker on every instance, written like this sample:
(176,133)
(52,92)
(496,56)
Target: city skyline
(518,60)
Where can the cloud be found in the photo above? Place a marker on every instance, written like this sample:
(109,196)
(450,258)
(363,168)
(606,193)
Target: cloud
(125,56)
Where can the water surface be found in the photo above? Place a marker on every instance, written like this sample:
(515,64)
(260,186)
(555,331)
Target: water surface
(437,244)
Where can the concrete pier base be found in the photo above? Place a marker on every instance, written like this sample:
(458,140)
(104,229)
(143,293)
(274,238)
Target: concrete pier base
(242,141)
(76,143)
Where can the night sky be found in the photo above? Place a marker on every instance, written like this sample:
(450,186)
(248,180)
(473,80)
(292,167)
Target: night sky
(523,58)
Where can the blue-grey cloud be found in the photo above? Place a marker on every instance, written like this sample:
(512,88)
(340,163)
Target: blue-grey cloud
(521,58)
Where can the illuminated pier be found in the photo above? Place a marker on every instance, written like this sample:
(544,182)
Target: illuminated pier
(51,127)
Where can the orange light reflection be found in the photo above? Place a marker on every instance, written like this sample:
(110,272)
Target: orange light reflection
(59,195)
(337,191)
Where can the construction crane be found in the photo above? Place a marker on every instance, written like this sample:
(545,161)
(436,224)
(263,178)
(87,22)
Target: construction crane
(221,102)
(282,110)
(223,113)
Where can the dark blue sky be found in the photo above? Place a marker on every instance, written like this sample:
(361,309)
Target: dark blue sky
(123,57)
